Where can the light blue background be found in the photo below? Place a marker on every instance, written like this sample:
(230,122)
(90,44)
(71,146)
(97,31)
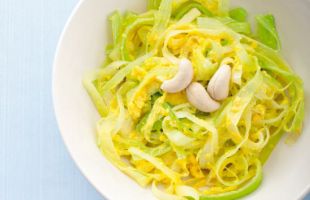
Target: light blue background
(34,163)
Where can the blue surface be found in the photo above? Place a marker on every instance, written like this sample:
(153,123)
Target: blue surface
(34,163)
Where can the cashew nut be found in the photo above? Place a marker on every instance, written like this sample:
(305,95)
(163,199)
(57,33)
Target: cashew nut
(218,87)
(200,99)
(181,80)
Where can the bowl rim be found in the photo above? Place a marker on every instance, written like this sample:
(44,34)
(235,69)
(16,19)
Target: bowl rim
(72,14)
(101,191)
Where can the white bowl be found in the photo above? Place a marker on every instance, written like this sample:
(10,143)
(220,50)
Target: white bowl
(81,48)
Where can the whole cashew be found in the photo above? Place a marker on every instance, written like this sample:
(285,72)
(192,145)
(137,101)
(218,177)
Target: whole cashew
(200,99)
(218,87)
(181,80)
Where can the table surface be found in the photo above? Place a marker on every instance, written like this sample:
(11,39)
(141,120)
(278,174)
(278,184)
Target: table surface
(34,163)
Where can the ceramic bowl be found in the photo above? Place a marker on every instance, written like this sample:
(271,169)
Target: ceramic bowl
(81,48)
